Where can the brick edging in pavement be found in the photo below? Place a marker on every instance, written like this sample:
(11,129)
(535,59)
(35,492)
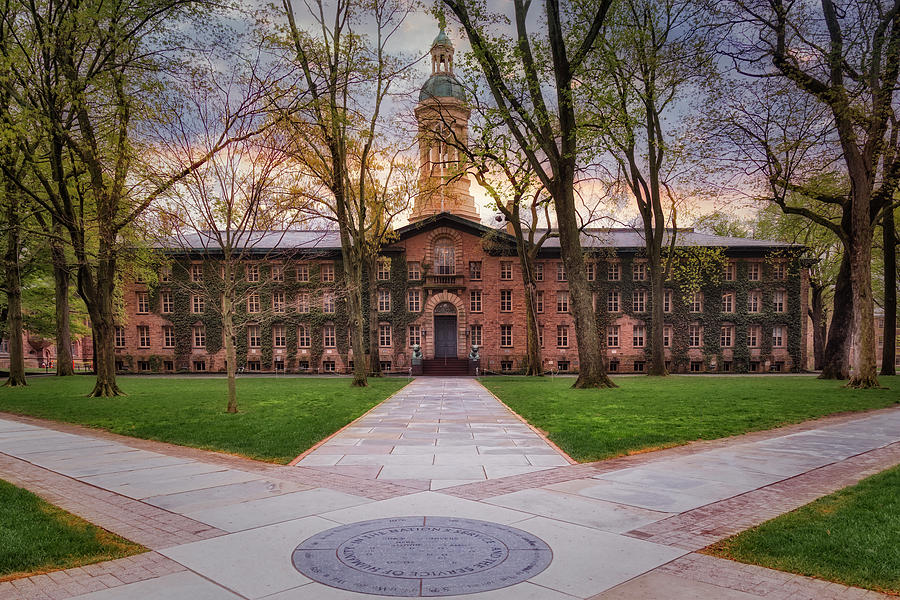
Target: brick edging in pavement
(517,483)
(372,489)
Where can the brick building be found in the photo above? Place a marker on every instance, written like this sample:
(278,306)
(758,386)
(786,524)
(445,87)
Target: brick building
(448,282)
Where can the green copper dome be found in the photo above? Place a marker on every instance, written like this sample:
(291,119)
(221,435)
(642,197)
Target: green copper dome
(442,85)
(441,38)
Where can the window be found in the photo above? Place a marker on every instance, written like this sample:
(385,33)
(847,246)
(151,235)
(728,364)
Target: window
(253,303)
(196,273)
(329,366)
(667,336)
(778,336)
(328,303)
(303,302)
(726,366)
(613,366)
(728,302)
(168,336)
(199,336)
(165,275)
(667,301)
(639,300)
(591,268)
(143,303)
(168,365)
(562,336)
(562,301)
(506,366)
(475,270)
(560,271)
(303,273)
(385,366)
(328,339)
(415,335)
(475,334)
(777,367)
(278,302)
(695,335)
(612,301)
(696,366)
(779,271)
(384,270)
(384,300)
(727,336)
(562,366)
(414,271)
(252,273)
(730,271)
(384,335)
(278,337)
(326,273)
(639,366)
(414,300)
(539,301)
(754,366)
(303,339)
(475,301)
(165,302)
(506,336)
(638,332)
(539,271)
(200,365)
(505,300)
(754,300)
(697,302)
(753,336)
(753,270)
(506,271)
(253,336)
(197,303)
(612,336)
(279,364)
(613,273)
(540,335)
(639,271)
(120,336)
(143,336)
(445,257)
(779,300)
(277,273)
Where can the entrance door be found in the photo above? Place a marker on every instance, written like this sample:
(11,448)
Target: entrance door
(445,336)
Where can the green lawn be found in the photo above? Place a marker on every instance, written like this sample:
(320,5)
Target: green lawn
(278,419)
(851,536)
(36,537)
(649,412)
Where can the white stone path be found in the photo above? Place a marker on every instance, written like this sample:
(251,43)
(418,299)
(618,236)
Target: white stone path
(589,522)
(436,433)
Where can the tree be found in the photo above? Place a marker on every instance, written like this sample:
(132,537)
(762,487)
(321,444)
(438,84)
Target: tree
(82,82)
(335,128)
(889,247)
(13,287)
(652,60)
(547,132)
(842,62)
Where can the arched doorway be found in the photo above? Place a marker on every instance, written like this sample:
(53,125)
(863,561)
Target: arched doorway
(445,330)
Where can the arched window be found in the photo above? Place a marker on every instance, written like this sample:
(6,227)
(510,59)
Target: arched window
(445,256)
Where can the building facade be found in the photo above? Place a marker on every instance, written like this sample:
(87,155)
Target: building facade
(448,282)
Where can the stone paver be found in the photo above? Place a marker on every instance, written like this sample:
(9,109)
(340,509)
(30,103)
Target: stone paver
(436,433)
(225,527)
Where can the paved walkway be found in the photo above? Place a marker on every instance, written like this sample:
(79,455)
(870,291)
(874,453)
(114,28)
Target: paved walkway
(224,528)
(436,433)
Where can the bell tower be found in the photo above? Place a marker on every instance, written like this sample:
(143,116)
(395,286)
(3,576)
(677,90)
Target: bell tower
(443,119)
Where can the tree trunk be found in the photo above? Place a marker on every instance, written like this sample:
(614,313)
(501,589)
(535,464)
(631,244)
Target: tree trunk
(101,308)
(889,237)
(14,293)
(229,335)
(532,364)
(657,316)
(591,370)
(64,364)
(817,315)
(835,358)
(864,374)
(374,356)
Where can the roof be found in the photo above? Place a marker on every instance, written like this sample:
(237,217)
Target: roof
(442,85)
(624,240)
(442,39)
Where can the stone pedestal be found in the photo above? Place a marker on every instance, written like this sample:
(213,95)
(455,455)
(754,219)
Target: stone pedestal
(416,366)
(474,366)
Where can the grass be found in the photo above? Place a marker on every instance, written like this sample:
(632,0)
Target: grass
(851,537)
(278,418)
(650,413)
(36,537)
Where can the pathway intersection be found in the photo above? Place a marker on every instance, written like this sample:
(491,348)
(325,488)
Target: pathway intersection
(482,488)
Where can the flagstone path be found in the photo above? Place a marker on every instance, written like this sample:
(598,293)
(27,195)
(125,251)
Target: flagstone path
(222,527)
